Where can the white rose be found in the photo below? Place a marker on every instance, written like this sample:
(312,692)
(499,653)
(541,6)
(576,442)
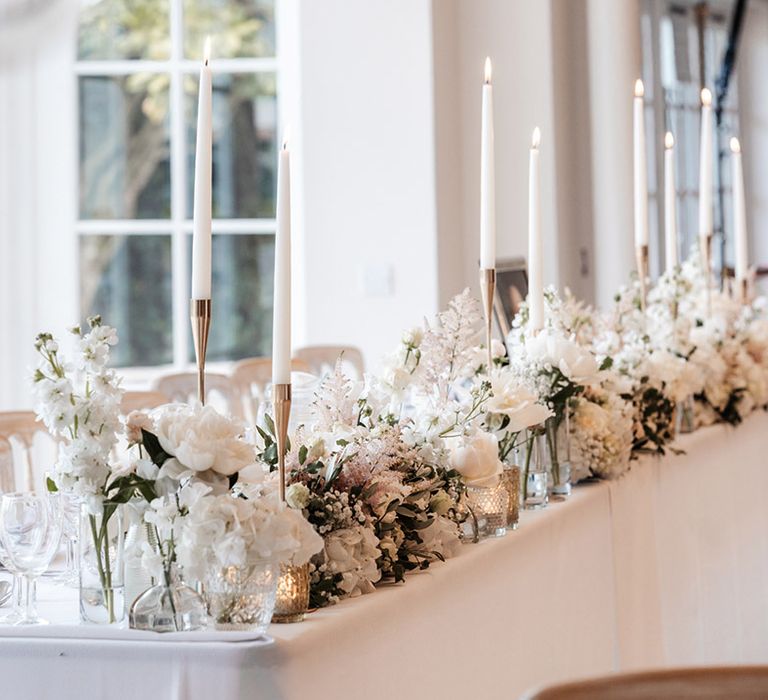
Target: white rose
(476,458)
(297,496)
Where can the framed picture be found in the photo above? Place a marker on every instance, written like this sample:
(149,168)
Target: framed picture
(511,290)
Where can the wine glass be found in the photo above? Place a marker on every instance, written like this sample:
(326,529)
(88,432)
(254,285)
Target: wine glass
(30,530)
(14,615)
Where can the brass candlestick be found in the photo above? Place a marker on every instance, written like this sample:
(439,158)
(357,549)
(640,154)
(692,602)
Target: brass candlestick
(281,399)
(200,315)
(488,289)
(641,254)
(706,262)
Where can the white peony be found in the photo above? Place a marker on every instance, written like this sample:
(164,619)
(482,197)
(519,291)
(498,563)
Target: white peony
(476,457)
(202,439)
(511,398)
(576,363)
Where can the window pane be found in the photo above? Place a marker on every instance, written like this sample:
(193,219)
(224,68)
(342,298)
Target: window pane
(239,28)
(243,270)
(115,29)
(124,148)
(244,145)
(127,279)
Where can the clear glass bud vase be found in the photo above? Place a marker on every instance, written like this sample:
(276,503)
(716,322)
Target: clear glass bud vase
(535,473)
(685,416)
(558,453)
(169,606)
(102,581)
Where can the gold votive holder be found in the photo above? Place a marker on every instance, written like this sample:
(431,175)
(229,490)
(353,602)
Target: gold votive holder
(510,479)
(487,507)
(292,600)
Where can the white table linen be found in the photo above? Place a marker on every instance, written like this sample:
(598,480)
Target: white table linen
(667,566)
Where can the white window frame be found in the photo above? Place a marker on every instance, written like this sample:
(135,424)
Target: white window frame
(178,226)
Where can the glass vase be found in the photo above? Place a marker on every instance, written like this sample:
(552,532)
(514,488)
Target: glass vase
(292,597)
(685,417)
(510,477)
(558,453)
(242,597)
(486,511)
(535,474)
(169,606)
(102,581)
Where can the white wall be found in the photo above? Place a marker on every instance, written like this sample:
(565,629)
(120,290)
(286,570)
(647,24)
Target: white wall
(367,171)
(751,69)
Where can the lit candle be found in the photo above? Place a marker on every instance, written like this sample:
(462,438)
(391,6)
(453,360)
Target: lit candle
(487,178)
(739,213)
(535,257)
(201,227)
(705,169)
(641,177)
(281,322)
(670,203)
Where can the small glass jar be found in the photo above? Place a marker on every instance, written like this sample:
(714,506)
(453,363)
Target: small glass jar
(242,597)
(558,453)
(487,507)
(510,477)
(170,606)
(292,597)
(685,416)
(535,474)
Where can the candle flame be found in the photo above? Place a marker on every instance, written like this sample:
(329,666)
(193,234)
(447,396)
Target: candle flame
(706,97)
(669,140)
(536,138)
(639,88)
(207,50)
(487,70)
(735,145)
(286,134)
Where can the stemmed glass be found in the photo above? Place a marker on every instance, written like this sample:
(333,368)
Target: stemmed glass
(30,530)
(15,614)
(70,525)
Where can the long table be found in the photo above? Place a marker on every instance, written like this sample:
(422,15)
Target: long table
(666,566)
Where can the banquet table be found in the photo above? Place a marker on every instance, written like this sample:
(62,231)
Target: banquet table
(666,566)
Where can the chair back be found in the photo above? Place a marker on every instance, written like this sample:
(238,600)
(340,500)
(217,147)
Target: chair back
(220,392)
(251,377)
(322,359)
(732,682)
(142,401)
(18,430)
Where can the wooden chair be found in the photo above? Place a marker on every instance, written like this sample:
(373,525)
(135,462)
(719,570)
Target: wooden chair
(18,428)
(713,683)
(322,359)
(220,391)
(142,401)
(251,377)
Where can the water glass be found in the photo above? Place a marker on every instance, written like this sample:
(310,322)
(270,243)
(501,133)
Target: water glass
(30,531)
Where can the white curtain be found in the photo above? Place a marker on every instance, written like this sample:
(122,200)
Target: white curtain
(38,147)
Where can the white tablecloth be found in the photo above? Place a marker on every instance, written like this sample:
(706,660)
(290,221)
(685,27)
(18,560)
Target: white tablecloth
(667,566)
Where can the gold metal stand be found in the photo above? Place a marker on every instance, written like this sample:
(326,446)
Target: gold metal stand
(281,400)
(488,290)
(641,254)
(743,290)
(200,315)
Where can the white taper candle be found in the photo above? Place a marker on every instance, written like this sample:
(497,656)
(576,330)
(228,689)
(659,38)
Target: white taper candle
(201,225)
(281,322)
(535,248)
(487,177)
(640,169)
(670,204)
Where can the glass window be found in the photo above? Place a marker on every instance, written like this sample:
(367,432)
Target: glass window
(137,69)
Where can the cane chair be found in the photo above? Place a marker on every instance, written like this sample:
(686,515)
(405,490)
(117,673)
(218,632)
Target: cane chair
(251,377)
(713,683)
(18,430)
(322,359)
(220,392)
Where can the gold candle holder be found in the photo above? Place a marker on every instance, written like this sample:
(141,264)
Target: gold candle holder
(488,290)
(742,286)
(281,400)
(292,597)
(641,254)
(200,315)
